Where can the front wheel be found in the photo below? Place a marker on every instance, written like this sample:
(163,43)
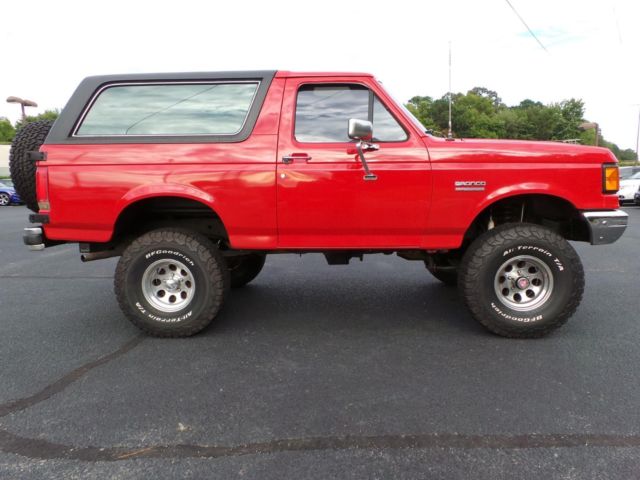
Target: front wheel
(171,282)
(521,280)
(5,199)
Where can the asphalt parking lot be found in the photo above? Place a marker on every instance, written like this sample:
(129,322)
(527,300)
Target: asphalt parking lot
(369,371)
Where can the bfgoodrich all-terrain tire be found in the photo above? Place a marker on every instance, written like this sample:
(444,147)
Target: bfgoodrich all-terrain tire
(23,170)
(244,268)
(171,282)
(521,280)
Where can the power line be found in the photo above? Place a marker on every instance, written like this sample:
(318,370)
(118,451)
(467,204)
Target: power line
(525,24)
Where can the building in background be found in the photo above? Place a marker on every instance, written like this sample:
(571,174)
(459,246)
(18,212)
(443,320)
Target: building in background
(4,160)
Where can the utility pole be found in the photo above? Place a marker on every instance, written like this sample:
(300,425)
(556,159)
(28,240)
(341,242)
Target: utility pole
(450,134)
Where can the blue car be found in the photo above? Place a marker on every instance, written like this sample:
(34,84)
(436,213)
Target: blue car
(8,194)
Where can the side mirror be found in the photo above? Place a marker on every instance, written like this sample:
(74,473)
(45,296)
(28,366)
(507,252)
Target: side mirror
(360,130)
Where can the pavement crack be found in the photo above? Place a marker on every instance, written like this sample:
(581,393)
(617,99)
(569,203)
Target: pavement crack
(37,448)
(63,382)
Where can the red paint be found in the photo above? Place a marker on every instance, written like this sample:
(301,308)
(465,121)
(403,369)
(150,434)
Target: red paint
(322,203)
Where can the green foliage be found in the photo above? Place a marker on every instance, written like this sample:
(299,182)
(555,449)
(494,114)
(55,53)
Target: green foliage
(46,115)
(480,113)
(7,132)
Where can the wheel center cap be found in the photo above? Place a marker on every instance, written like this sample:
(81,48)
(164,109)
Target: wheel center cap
(522,283)
(172,283)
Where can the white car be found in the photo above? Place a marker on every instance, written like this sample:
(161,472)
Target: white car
(628,188)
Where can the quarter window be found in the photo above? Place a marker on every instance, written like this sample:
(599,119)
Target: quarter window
(170,109)
(323,113)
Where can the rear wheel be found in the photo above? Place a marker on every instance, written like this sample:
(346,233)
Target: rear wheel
(244,268)
(521,280)
(171,282)
(5,199)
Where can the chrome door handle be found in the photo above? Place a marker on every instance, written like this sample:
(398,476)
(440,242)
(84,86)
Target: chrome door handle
(287,159)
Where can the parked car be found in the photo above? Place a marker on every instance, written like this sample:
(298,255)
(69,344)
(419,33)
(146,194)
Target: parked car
(627,172)
(8,194)
(628,188)
(193,178)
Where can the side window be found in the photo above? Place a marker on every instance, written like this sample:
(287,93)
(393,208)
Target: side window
(385,127)
(169,109)
(323,112)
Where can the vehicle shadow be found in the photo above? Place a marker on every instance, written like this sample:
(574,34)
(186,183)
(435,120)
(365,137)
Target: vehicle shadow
(355,304)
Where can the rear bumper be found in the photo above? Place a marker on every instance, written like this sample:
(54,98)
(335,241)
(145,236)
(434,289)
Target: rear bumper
(33,237)
(605,226)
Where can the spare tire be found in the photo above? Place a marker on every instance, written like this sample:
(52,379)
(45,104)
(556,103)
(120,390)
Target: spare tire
(23,170)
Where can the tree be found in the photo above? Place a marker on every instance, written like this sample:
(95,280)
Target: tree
(480,113)
(46,115)
(7,132)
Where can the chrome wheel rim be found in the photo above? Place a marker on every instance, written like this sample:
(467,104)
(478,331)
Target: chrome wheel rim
(168,285)
(4,199)
(523,283)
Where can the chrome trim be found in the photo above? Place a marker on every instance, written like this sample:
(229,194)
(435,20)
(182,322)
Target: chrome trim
(33,230)
(605,213)
(605,226)
(141,84)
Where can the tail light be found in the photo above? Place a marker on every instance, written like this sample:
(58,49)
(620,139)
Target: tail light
(42,188)
(610,178)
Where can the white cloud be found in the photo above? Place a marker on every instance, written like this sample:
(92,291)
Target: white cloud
(51,46)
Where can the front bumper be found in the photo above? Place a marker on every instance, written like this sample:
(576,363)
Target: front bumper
(605,226)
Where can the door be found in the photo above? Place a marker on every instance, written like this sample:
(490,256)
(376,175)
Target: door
(323,199)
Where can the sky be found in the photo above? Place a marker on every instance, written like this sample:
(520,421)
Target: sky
(591,47)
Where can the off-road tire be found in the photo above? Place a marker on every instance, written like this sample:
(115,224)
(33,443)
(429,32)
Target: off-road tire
(205,264)
(244,268)
(23,171)
(479,272)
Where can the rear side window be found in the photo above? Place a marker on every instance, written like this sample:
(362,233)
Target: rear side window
(169,109)
(323,112)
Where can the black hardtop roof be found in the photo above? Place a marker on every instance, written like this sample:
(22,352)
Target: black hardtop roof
(138,77)
(63,127)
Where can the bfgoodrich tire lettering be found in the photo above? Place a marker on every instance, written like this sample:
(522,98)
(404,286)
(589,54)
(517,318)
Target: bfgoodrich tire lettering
(545,257)
(205,276)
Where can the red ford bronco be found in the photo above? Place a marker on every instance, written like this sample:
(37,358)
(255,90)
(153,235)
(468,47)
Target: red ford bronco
(193,178)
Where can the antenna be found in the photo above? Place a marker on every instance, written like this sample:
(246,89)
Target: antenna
(450,134)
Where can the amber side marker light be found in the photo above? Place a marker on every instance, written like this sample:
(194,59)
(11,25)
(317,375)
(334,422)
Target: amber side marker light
(610,178)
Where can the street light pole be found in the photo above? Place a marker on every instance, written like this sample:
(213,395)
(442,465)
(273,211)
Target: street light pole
(588,125)
(23,103)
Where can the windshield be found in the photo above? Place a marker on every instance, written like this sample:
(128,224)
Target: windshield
(407,112)
(635,176)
